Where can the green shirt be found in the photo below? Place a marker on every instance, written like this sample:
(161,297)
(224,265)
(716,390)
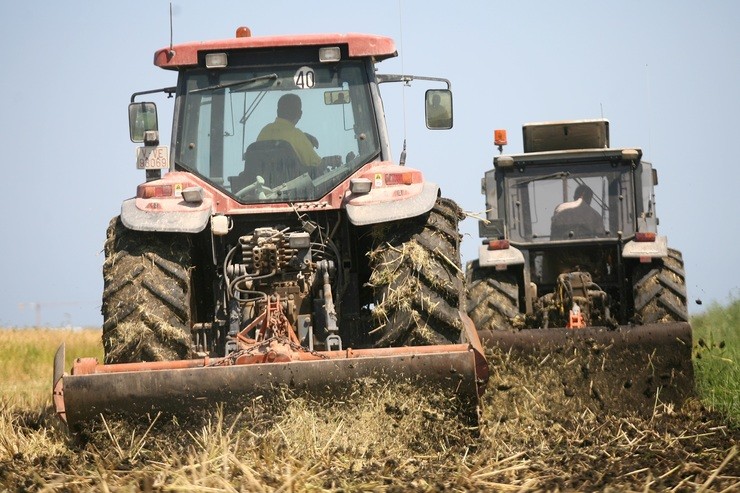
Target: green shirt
(282,129)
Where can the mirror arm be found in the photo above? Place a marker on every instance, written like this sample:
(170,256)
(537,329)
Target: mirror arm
(169,90)
(381,78)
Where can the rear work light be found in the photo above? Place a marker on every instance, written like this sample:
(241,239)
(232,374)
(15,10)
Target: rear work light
(645,236)
(360,185)
(216,60)
(153,191)
(329,54)
(498,244)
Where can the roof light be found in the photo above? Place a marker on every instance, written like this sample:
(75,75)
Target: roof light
(329,54)
(216,60)
(630,155)
(504,162)
(645,236)
(243,32)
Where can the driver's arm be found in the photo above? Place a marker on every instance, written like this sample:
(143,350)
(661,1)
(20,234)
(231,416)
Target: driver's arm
(304,148)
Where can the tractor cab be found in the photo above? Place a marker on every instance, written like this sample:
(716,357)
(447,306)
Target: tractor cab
(277,119)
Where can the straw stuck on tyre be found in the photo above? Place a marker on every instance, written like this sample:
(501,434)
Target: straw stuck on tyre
(418,280)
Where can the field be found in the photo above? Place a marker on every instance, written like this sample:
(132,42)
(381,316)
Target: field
(382,439)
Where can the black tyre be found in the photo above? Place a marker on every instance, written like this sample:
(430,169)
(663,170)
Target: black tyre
(659,291)
(493,298)
(146,296)
(417,279)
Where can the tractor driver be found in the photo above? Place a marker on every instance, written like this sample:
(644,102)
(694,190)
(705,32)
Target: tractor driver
(283,128)
(577,219)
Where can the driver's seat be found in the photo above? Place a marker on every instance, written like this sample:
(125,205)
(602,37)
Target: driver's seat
(274,160)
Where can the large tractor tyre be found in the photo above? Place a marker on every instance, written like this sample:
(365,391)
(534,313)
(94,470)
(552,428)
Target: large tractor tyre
(659,291)
(417,279)
(493,298)
(146,296)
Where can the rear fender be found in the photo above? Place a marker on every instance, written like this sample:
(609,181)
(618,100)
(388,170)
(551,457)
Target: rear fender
(392,203)
(652,249)
(499,258)
(183,219)
(165,210)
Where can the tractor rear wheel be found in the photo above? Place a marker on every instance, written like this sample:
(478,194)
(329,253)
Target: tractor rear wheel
(417,279)
(146,296)
(659,290)
(493,297)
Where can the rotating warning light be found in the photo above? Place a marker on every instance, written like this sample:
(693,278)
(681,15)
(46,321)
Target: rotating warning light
(243,32)
(499,137)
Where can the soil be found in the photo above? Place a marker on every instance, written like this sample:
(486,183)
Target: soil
(532,436)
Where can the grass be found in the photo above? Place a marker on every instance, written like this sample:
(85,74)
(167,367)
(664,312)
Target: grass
(27,363)
(717,357)
(388,439)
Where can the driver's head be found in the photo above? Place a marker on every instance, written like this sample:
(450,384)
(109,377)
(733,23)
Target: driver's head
(585,192)
(289,107)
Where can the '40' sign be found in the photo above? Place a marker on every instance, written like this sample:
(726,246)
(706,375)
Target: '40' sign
(305,78)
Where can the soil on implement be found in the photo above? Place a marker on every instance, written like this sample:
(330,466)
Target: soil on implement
(622,372)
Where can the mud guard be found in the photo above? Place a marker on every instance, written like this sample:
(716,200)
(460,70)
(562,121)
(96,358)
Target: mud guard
(652,249)
(494,258)
(393,209)
(180,221)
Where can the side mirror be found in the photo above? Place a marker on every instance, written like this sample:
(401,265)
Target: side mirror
(438,109)
(142,117)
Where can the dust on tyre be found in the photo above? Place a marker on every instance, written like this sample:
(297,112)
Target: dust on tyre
(146,296)
(492,297)
(417,279)
(659,290)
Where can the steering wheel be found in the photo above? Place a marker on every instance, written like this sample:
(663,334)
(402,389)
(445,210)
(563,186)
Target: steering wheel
(256,189)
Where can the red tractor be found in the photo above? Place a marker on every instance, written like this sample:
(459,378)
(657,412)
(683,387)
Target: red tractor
(283,245)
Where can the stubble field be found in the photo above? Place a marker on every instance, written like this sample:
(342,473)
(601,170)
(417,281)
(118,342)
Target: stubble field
(388,438)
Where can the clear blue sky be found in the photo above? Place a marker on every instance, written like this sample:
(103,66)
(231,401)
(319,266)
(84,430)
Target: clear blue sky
(665,73)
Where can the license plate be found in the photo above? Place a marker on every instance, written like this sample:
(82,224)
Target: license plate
(152,157)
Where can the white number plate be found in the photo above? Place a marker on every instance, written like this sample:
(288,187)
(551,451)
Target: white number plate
(152,157)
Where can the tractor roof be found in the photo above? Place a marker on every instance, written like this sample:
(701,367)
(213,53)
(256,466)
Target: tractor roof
(567,156)
(359,45)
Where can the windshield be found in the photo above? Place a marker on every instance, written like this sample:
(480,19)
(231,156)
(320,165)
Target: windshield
(575,203)
(276,134)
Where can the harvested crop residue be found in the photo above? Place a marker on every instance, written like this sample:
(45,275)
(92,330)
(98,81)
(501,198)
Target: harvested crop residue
(531,438)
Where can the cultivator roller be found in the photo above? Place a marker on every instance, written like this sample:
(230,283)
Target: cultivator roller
(259,367)
(623,370)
